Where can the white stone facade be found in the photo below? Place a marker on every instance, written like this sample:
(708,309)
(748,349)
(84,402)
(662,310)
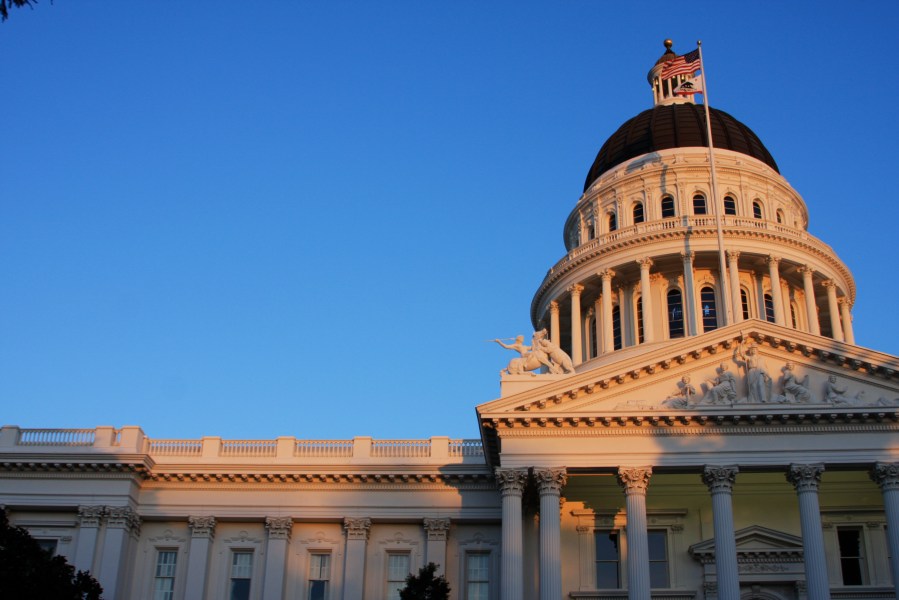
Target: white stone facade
(734,445)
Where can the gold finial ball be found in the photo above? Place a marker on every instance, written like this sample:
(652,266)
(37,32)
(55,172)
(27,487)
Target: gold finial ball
(668,44)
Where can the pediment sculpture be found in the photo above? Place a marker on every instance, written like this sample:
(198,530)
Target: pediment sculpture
(542,353)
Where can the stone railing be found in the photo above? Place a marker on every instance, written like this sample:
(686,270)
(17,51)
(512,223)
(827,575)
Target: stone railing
(131,440)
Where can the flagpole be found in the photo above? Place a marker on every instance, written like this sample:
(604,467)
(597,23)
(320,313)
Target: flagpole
(722,265)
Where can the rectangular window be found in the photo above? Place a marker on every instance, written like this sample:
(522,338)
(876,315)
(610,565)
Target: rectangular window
(48,546)
(397,570)
(658,558)
(477,576)
(608,559)
(164,582)
(852,555)
(319,575)
(241,574)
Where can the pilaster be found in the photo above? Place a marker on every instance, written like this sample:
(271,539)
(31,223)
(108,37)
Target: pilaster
(202,532)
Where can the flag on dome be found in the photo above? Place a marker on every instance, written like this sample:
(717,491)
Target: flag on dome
(685,64)
(689,87)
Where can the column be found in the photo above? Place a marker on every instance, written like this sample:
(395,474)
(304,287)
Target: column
(588,335)
(121,523)
(634,481)
(806,479)
(597,310)
(811,307)
(646,296)
(776,294)
(886,475)
(736,302)
(608,338)
(847,321)
(88,529)
(576,344)
(720,481)
(554,322)
(689,293)
(202,532)
(833,307)
(354,565)
(279,529)
(435,551)
(549,484)
(511,483)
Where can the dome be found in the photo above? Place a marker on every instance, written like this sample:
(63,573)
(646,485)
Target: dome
(676,126)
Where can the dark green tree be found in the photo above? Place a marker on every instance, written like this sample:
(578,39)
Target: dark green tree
(425,585)
(29,571)
(5,5)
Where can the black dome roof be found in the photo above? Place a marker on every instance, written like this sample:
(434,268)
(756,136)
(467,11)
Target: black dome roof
(676,126)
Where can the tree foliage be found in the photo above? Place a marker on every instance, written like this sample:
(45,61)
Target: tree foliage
(425,585)
(5,5)
(29,571)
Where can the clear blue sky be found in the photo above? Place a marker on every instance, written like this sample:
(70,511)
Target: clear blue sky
(305,218)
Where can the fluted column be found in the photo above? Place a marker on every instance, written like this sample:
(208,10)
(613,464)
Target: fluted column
(634,481)
(733,271)
(886,475)
(576,344)
(720,481)
(436,530)
(833,307)
(554,322)
(608,338)
(202,532)
(689,293)
(806,479)
(549,483)
(811,307)
(354,565)
(848,335)
(279,529)
(121,523)
(776,294)
(646,296)
(88,528)
(511,483)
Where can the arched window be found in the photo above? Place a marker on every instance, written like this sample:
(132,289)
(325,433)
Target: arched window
(780,216)
(709,310)
(616,328)
(667,207)
(757,209)
(730,205)
(744,303)
(699,207)
(769,308)
(675,314)
(640,320)
(613,222)
(638,213)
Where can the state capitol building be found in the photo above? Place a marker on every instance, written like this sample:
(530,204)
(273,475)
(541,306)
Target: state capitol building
(690,420)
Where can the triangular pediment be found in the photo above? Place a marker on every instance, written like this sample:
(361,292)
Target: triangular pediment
(752,366)
(752,542)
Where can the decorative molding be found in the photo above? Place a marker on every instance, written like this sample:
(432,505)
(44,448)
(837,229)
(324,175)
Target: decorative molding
(886,475)
(279,528)
(634,480)
(805,478)
(122,517)
(550,481)
(720,478)
(201,527)
(357,528)
(511,481)
(90,516)
(437,529)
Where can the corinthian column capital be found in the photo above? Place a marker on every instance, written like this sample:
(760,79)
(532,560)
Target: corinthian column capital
(550,481)
(733,255)
(554,307)
(886,475)
(279,528)
(645,262)
(772,260)
(607,274)
(805,477)
(634,480)
(720,479)
(201,527)
(356,529)
(576,289)
(436,528)
(511,481)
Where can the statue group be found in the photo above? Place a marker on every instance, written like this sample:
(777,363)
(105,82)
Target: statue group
(542,353)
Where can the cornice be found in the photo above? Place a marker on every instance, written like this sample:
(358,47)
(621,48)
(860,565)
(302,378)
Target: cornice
(39,465)
(370,481)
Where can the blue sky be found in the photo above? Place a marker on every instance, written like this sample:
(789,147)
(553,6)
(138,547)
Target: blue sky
(298,218)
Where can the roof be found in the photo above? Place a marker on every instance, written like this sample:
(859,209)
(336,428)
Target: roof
(676,126)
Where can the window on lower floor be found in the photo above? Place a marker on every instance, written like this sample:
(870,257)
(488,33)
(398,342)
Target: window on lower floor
(48,545)
(397,570)
(744,303)
(852,555)
(241,574)
(319,575)
(675,314)
(164,580)
(769,308)
(477,576)
(658,558)
(608,559)
(709,310)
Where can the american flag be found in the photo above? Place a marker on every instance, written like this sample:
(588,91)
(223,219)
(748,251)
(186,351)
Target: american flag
(685,64)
